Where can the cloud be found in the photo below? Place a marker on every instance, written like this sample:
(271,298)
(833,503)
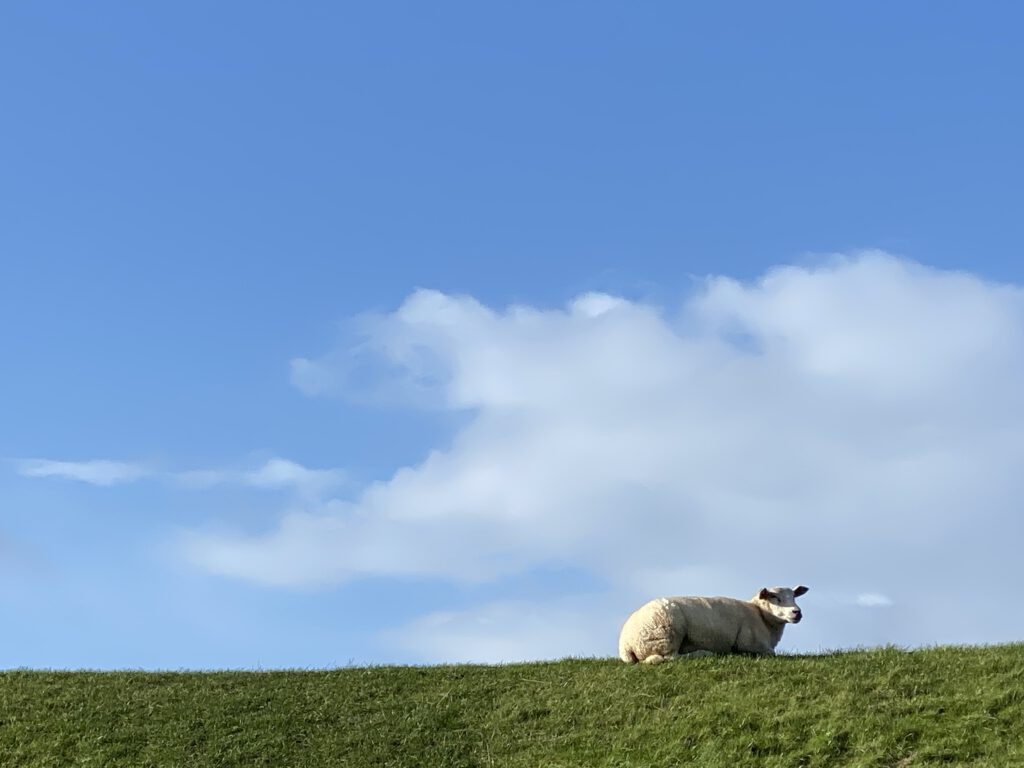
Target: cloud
(861,417)
(100,472)
(509,631)
(873,600)
(274,474)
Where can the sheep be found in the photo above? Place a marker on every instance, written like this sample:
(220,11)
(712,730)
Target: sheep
(670,627)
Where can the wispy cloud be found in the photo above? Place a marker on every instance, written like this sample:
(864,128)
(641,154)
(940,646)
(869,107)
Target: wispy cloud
(99,472)
(274,474)
(873,600)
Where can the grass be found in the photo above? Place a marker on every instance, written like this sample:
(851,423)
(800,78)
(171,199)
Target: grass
(941,706)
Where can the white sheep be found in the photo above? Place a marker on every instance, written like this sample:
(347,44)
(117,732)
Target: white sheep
(670,627)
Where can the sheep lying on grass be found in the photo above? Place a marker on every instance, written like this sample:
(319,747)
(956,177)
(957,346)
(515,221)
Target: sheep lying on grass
(670,627)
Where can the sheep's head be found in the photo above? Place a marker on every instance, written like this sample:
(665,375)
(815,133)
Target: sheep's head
(780,602)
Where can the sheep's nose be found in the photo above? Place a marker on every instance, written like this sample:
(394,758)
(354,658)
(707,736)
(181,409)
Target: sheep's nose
(797,615)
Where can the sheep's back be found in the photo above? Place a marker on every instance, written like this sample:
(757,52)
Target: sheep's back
(708,623)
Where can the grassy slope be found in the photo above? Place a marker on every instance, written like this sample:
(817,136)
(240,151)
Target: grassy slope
(954,706)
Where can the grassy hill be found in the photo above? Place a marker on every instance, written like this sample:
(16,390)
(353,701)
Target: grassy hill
(943,706)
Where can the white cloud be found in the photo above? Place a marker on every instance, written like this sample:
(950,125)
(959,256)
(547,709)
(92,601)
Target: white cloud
(873,600)
(100,472)
(281,473)
(508,632)
(274,474)
(861,417)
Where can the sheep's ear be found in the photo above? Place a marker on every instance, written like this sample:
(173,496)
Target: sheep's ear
(764,594)
(801,590)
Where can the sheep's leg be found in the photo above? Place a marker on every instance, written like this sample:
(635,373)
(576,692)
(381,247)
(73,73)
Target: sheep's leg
(657,657)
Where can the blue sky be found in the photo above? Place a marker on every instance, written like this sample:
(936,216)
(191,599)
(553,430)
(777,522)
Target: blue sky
(241,243)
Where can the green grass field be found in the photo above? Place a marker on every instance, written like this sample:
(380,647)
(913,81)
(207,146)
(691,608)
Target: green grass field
(943,706)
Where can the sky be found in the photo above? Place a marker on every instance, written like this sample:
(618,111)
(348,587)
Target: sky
(372,333)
